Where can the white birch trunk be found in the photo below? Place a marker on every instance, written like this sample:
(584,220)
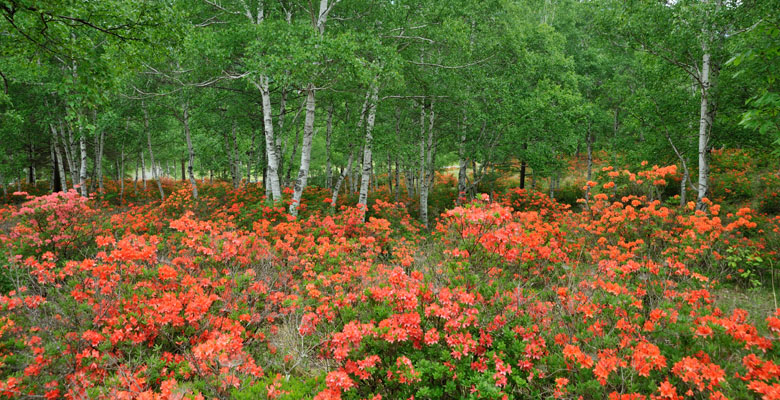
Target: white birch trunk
(705,122)
(70,153)
(367,146)
(342,176)
(190,150)
(308,135)
(270,144)
(83,169)
(234,168)
(151,153)
(143,170)
(328,133)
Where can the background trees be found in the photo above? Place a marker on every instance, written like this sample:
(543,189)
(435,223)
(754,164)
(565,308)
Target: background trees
(352,95)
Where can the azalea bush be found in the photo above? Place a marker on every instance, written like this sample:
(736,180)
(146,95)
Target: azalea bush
(514,296)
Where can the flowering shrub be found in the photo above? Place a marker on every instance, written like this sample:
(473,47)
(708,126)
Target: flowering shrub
(521,297)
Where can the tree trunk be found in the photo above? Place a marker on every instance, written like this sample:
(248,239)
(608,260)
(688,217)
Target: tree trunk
(99,161)
(389,174)
(190,150)
(462,165)
(143,170)
(151,153)
(523,166)
(270,143)
(60,161)
(328,132)
(397,181)
(251,157)
(308,135)
(83,169)
(589,171)
(278,147)
(234,168)
(705,123)
(56,180)
(67,145)
(293,153)
(122,176)
(342,176)
(427,159)
(368,146)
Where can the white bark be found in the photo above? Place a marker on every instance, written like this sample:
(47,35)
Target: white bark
(705,123)
(83,169)
(70,153)
(328,133)
(151,153)
(190,150)
(367,146)
(234,168)
(308,134)
(342,176)
(270,144)
(143,170)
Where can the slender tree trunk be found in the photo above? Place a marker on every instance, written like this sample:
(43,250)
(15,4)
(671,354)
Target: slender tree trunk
(390,174)
(135,180)
(234,168)
(251,163)
(56,181)
(68,148)
(340,180)
(462,168)
(397,181)
(190,150)
(83,169)
(368,146)
(523,166)
(99,161)
(60,161)
(143,170)
(308,135)
(151,153)
(409,175)
(293,153)
(328,132)
(427,161)
(122,176)
(279,148)
(705,123)
(589,173)
(270,143)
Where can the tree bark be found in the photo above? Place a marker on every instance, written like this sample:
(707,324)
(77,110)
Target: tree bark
(83,169)
(705,123)
(234,168)
(589,171)
(67,145)
(308,135)
(56,181)
(60,161)
(342,176)
(190,150)
(122,176)
(143,170)
(368,146)
(270,144)
(151,153)
(427,161)
(328,132)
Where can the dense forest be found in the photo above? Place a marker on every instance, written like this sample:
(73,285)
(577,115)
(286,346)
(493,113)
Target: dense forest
(369,199)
